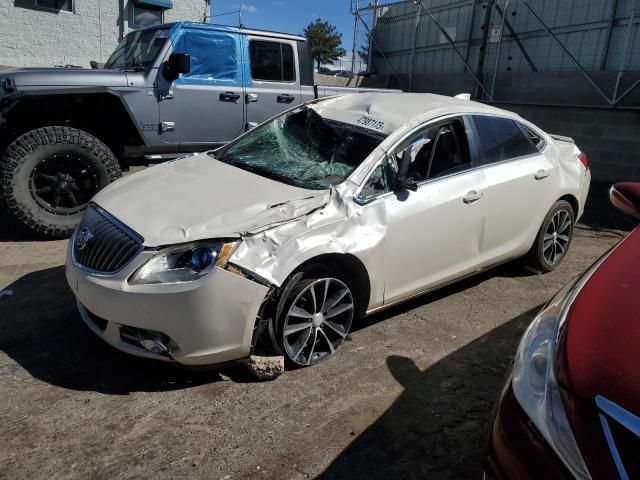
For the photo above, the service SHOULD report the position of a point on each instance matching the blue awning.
(157, 3)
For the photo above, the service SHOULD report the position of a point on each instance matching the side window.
(437, 151)
(271, 61)
(222, 66)
(536, 139)
(500, 139)
(382, 180)
(450, 152)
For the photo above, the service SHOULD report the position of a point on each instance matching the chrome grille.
(103, 244)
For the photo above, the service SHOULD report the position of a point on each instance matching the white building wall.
(43, 38)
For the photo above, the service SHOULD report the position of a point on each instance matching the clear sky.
(290, 16)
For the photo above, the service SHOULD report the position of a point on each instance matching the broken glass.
(303, 149)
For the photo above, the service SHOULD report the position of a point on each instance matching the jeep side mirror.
(178, 63)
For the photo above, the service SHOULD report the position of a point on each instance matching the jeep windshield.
(303, 149)
(138, 49)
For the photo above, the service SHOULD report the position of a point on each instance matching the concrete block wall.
(610, 138)
(32, 37)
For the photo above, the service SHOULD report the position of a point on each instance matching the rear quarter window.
(500, 139)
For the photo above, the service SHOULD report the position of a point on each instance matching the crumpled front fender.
(341, 227)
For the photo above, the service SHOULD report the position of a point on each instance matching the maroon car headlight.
(534, 380)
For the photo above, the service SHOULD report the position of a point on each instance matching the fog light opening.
(154, 342)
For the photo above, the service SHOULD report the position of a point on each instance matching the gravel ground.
(408, 397)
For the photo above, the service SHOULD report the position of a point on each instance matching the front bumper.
(516, 450)
(210, 320)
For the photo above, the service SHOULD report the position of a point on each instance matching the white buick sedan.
(331, 211)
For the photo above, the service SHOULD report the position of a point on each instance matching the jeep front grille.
(103, 244)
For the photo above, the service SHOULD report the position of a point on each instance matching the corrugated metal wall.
(594, 32)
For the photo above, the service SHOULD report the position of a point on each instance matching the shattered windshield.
(138, 49)
(303, 149)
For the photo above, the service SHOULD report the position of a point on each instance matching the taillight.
(584, 160)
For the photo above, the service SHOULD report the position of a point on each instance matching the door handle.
(472, 196)
(542, 174)
(166, 96)
(251, 97)
(229, 97)
(285, 98)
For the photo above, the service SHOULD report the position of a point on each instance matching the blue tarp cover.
(157, 3)
(214, 56)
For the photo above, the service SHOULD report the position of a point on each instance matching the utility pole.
(355, 34)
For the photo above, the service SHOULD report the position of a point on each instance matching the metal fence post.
(413, 50)
(623, 58)
(483, 43)
(495, 70)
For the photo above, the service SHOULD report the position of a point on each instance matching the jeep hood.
(198, 197)
(65, 77)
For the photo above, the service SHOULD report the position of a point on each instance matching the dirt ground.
(408, 397)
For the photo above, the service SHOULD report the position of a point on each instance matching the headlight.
(534, 381)
(183, 263)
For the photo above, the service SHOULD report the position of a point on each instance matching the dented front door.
(434, 234)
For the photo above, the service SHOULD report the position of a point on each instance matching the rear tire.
(554, 237)
(48, 176)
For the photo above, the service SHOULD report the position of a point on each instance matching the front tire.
(50, 174)
(314, 316)
(554, 237)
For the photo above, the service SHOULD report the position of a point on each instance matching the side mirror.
(625, 196)
(407, 184)
(178, 63)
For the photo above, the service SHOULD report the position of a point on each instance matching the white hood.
(198, 198)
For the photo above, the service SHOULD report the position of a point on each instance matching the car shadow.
(600, 215)
(443, 411)
(42, 332)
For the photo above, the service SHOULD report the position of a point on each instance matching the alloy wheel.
(318, 321)
(557, 237)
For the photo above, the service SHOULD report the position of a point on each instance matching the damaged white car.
(326, 213)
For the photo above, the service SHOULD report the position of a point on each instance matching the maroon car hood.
(601, 354)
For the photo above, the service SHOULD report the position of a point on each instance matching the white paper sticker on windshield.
(369, 122)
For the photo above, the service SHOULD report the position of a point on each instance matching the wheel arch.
(95, 112)
(348, 265)
(573, 201)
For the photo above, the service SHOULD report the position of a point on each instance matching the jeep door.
(435, 233)
(273, 84)
(204, 107)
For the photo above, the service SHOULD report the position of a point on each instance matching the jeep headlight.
(534, 380)
(183, 263)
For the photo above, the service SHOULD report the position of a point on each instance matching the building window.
(143, 16)
(66, 5)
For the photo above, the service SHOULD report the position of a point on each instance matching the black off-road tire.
(27, 151)
(536, 257)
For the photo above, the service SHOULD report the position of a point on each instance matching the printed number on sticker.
(370, 123)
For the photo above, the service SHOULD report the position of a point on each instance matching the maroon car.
(571, 405)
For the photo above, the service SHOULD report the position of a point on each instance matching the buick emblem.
(84, 235)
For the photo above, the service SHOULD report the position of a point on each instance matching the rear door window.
(271, 61)
(500, 139)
